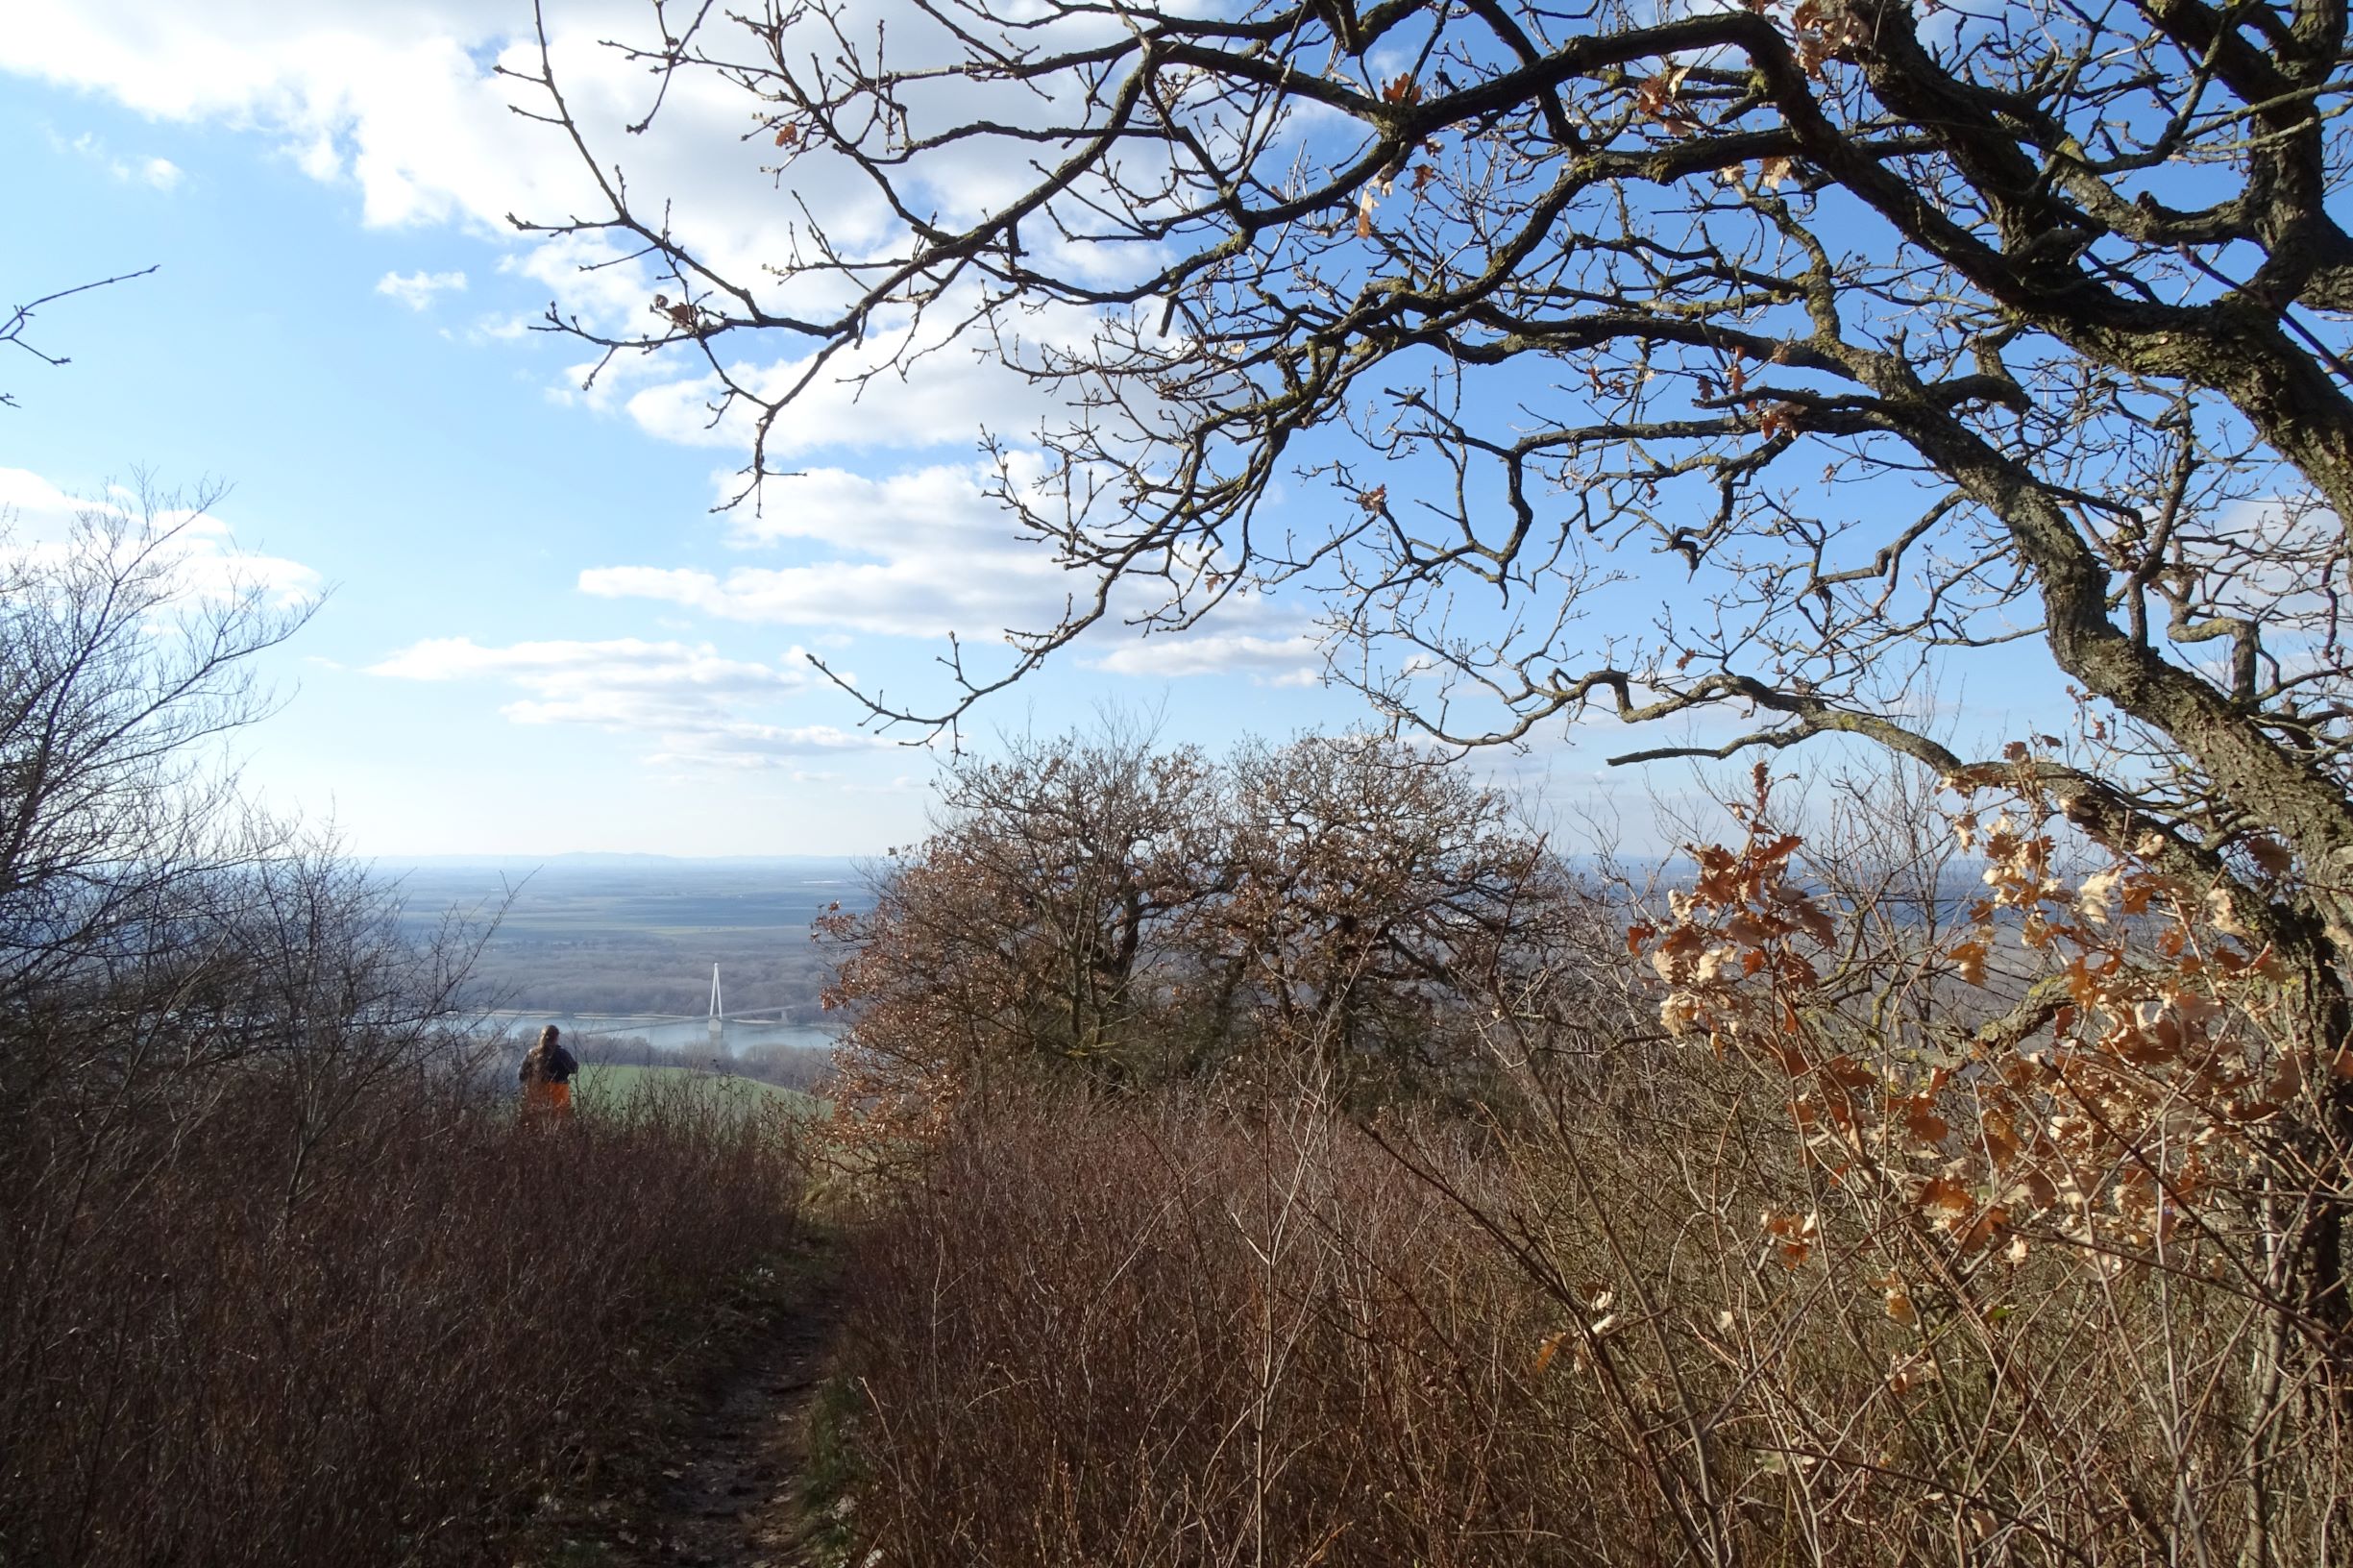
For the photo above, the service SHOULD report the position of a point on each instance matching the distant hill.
(589, 860)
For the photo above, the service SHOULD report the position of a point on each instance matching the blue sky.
(335, 331)
(536, 636)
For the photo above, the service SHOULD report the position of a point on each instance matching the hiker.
(547, 1078)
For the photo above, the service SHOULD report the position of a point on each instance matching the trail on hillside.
(734, 1495)
(726, 1486)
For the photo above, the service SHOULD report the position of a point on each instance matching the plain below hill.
(617, 1083)
(639, 933)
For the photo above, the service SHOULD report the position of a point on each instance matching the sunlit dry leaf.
(1898, 1300)
(1969, 962)
(1979, 1230)
(1910, 1372)
(1921, 1120)
(1943, 1201)
(1794, 1236)
(1658, 97)
(2091, 897)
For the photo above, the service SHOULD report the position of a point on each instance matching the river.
(671, 1032)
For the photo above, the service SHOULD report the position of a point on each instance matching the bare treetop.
(1860, 334)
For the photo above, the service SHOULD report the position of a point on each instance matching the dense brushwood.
(1815, 1204)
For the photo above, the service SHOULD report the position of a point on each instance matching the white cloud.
(396, 98)
(495, 328)
(930, 552)
(746, 745)
(156, 173)
(205, 561)
(417, 289)
(691, 702)
(406, 103)
(946, 393)
(1268, 661)
(590, 276)
(626, 661)
(911, 596)
(941, 557)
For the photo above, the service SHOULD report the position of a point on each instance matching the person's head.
(540, 1058)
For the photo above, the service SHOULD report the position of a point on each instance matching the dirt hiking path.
(723, 1483)
(733, 1496)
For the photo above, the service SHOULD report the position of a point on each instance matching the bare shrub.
(1650, 1331)
(195, 1369)
(1145, 1334)
(1095, 909)
(1903, 1252)
(1875, 1248)
(2082, 1255)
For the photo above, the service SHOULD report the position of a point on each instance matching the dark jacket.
(557, 1067)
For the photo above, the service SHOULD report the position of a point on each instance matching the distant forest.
(640, 936)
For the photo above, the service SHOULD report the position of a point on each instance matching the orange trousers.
(546, 1102)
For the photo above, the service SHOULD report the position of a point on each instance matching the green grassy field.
(613, 1083)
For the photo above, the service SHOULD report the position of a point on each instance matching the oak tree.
(1903, 328)
(1871, 340)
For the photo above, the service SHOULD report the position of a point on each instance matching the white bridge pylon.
(715, 1007)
